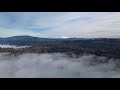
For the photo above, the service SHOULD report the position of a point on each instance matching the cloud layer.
(57, 24)
(56, 66)
(11, 46)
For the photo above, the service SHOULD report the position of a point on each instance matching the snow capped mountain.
(64, 37)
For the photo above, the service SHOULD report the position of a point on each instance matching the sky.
(60, 24)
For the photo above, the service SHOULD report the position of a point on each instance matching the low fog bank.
(11, 46)
(57, 65)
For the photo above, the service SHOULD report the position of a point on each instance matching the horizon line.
(61, 37)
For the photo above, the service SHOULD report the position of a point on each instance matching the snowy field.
(56, 66)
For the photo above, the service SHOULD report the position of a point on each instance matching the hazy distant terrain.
(26, 56)
(108, 47)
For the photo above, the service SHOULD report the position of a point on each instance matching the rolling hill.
(26, 40)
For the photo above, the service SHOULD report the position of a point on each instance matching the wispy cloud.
(57, 24)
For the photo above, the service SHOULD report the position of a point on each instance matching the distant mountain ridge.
(21, 37)
(23, 40)
(26, 40)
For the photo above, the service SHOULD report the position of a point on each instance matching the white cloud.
(71, 24)
(100, 22)
(56, 65)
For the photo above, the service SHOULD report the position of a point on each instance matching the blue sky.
(58, 24)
